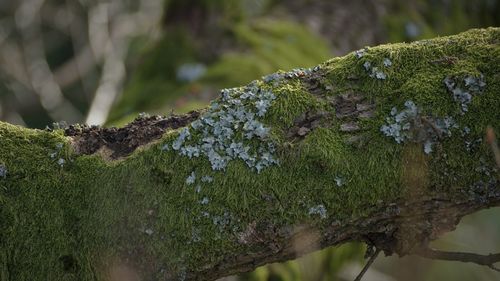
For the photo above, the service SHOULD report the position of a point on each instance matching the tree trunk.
(384, 146)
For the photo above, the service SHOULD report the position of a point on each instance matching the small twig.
(445, 60)
(487, 260)
(367, 265)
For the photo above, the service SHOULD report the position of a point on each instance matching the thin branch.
(367, 265)
(486, 260)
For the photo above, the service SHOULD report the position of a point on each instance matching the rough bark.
(382, 146)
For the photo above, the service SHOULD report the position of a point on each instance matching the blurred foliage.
(155, 76)
(322, 265)
(423, 19)
(232, 40)
(259, 48)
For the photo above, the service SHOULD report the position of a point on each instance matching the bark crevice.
(123, 141)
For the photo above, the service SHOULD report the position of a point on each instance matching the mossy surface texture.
(74, 219)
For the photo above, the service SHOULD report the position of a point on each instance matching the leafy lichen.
(410, 125)
(228, 128)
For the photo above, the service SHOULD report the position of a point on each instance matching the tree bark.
(384, 146)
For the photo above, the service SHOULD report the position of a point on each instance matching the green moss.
(140, 211)
(293, 100)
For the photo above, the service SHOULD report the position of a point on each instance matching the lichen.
(374, 71)
(318, 210)
(3, 171)
(207, 179)
(410, 125)
(204, 201)
(473, 85)
(191, 178)
(360, 53)
(339, 181)
(228, 128)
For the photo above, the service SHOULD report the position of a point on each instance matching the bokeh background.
(103, 62)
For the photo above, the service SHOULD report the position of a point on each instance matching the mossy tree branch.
(382, 146)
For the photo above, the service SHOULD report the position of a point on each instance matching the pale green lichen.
(472, 84)
(410, 125)
(229, 129)
(3, 171)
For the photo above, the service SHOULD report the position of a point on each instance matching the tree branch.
(370, 261)
(487, 260)
(290, 164)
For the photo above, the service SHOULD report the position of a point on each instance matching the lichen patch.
(411, 125)
(231, 129)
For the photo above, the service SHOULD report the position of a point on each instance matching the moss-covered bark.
(383, 146)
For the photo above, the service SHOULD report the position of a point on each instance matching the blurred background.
(103, 62)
